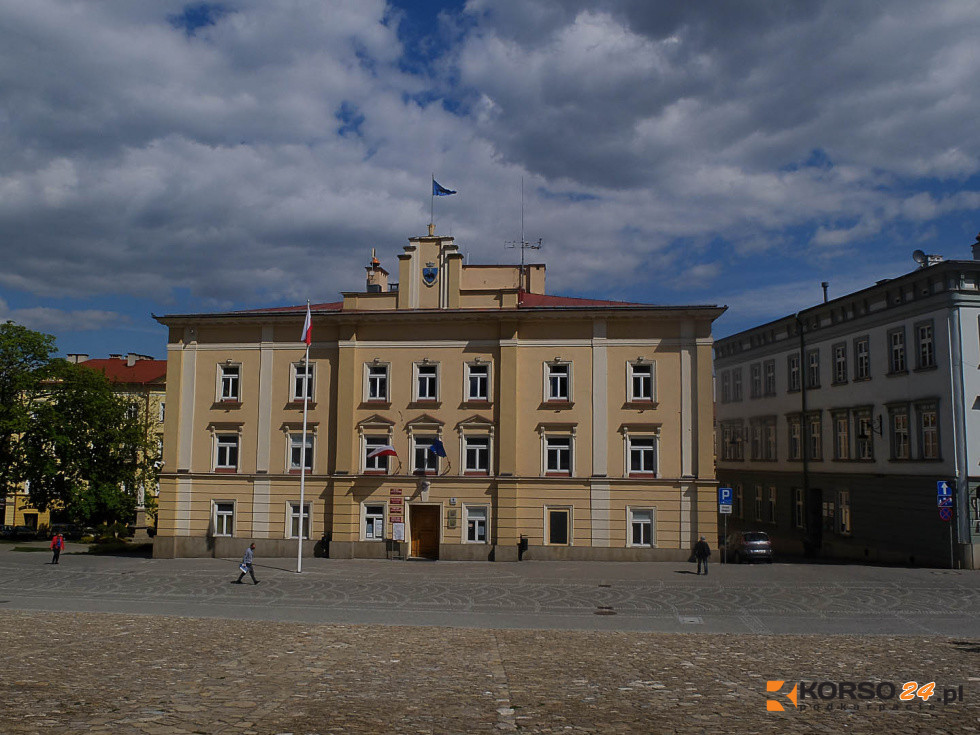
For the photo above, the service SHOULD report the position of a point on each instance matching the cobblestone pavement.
(103, 673)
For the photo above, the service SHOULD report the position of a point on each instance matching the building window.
(302, 381)
(840, 363)
(641, 527)
(813, 369)
(294, 520)
(896, 351)
(161, 416)
(229, 382)
(737, 384)
(426, 382)
(929, 432)
(771, 505)
(226, 454)
(642, 455)
(133, 410)
(926, 346)
(793, 371)
(641, 381)
(558, 455)
(842, 436)
(795, 437)
(558, 530)
(865, 435)
(374, 522)
(476, 453)
(426, 462)
(769, 378)
(899, 423)
(815, 436)
(769, 438)
(377, 383)
(224, 519)
(296, 457)
(799, 507)
(862, 358)
(557, 381)
(829, 515)
(739, 503)
(732, 442)
(755, 386)
(477, 382)
(726, 387)
(377, 464)
(755, 441)
(844, 512)
(476, 524)
(758, 502)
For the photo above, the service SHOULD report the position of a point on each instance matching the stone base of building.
(175, 547)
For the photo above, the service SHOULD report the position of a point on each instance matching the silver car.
(749, 546)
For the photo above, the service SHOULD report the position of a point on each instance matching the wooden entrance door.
(425, 531)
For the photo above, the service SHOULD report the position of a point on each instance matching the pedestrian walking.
(701, 552)
(246, 565)
(57, 544)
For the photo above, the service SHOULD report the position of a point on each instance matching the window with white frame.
(795, 427)
(771, 505)
(799, 507)
(726, 386)
(769, 439)
(758, 502)
(224, 519)
(425, 461)
(302, 381)
(641, 527)
(898, 419)
(793, 371)
(755, 378)
(642, 451)
(226, 452)
(558, 455)
(558, 526)
(377, 464)
(373, 524)
(926, 345)
(896, 351)
(426, 382)
(133, 410)
(377, 383)
(476, 454)
(815, 436)
(476, 524)
(755, 440)
(844, 512)
(737, 384)
(769, 378)
(294, 520)
(829, 514)
(558, 381)
(813, 369)
(865, 434)
(842, 436)
(840, 363)
(477, 382)
(296, 456)
(229, 382)
(641, 381)
(862, 358)
(928, 431)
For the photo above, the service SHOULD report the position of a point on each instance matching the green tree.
(24, 359)
(86, 450)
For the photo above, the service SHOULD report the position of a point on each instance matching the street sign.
(945, 514)
(725, 509)
(944, 501)
(724, 496)
(943, 489)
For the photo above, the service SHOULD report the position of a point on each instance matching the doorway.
(424, 520)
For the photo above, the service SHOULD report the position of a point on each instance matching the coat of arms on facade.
(429, 274)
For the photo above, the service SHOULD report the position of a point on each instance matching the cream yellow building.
(583, 427)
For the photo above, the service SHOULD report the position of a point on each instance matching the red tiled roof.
(141, 372)
(530, 300)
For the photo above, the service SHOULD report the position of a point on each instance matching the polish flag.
(386, 451)
(308, 327)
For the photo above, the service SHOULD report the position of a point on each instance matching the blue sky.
(169, 157)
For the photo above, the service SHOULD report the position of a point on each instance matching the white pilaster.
(264, 428)
(601, 520)
(188, 389)
(600, 401)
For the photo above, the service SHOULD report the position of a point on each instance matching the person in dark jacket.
(57, 544)
(701, 552)
(247, 565)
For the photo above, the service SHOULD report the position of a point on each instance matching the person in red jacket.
(57, 544)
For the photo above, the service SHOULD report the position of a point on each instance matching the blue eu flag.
(437, 448)
(440, 191)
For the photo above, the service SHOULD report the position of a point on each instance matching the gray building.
(835, 424)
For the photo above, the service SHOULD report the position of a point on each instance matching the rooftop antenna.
(522, 243)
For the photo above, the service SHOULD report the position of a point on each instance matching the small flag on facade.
(386, 451)
(437, 448)
(440, 191)
(308, 326)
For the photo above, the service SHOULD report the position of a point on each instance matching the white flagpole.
(302, 454)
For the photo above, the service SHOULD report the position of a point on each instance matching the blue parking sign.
(724, 496)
